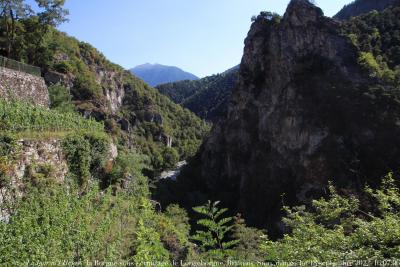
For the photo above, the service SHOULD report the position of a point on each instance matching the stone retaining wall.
(15, 85)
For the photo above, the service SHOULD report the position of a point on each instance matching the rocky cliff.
(27, 161)
(304, 113)
(110, 82)
(28, 158)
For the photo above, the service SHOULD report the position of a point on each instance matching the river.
(173, 174)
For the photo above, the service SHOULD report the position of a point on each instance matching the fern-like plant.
(217, 228)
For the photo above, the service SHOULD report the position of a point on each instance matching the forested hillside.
(377, 38)
(359, 7)
(208, 97)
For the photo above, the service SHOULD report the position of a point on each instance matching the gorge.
(304, 113)
(289, 159)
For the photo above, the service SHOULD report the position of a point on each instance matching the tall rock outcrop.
(303, 113)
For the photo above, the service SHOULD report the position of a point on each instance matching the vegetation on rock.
(87, 155)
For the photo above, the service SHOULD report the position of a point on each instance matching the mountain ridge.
(155, 74)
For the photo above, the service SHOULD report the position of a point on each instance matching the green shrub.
(128, 169)
(249, 241)
(8, 153)
(60, 99)
(368, 61)
(337, 229)
(8, 145)
(148, 246)
(170, 157)
(54, 224)
(39, 175)
(86, 155)
(213, 239)
(86, 87)
(17, 116)
(64, 67)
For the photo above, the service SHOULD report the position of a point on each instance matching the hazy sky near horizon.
(203, 37)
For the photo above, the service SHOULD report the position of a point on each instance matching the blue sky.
(200, 36)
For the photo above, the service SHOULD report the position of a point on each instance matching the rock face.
(31, 155)
(16, 85)
(27, 157)
(53, 77)
(47, 152)
(110, 81)
(303, 113)
(114, 90)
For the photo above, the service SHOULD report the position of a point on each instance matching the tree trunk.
(5, 13)
(12, 41)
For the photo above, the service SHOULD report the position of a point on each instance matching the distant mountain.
(207, 97)
(359, 7)
(155, 74)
